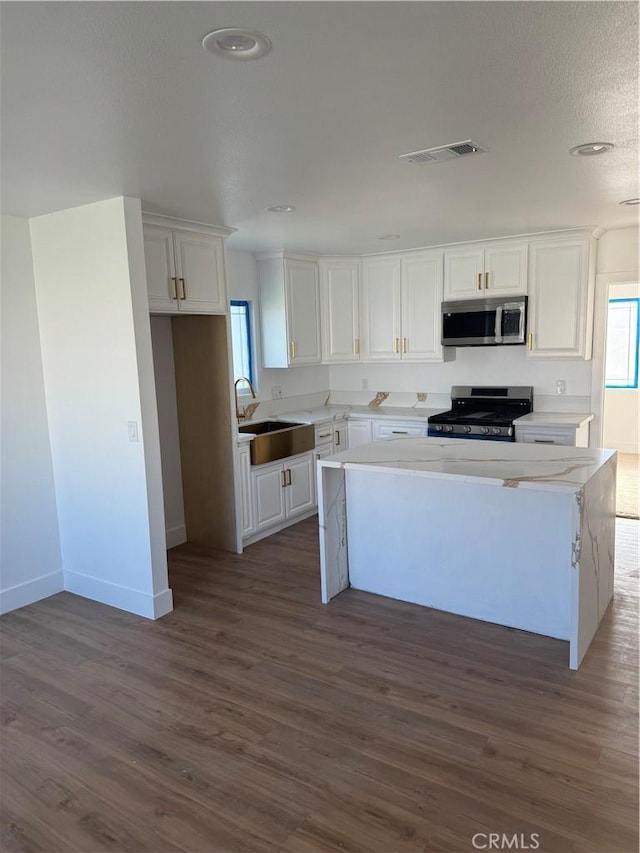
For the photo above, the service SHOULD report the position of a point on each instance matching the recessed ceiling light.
(281, 208)
(630, 201)
(591, 148)
(236, 43)
(389, 237)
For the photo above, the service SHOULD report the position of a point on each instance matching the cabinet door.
(381, 309)
(200, 271)
(246, 501)
(505, 270)
(303, 311)
(161, 269)
(300, 494)
(359, 433)
(463, 273)
(339, 297)
(340, 438)
(421, 307)
(560, 299)
(268, 495)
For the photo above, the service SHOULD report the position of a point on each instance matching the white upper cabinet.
(561, 288)
(401, 301)
(463, 269)
(381, 309)
(340, 309)
(490, 269)
(421, 299)
(159, 258)
(184, 268)
(200, 268)
(289, 310)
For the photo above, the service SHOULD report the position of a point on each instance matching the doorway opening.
(621, 398)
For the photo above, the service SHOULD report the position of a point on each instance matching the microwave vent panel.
(443, 152)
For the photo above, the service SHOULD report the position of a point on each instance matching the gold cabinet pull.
(404, 345)
(356, 346)
(337, 438)
(486, 281)
(174, 282)
(184, 288)
(288, 475)
(479, 281)
(283, 479)
(395, 344)
(530, 341)
(292, 349)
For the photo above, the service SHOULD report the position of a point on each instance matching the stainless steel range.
(482, 412)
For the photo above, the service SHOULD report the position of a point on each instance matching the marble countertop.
(561, 419)
(526, 466)
(404, 413)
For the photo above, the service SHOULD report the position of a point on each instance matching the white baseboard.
(131, 600)
(256, 537)
(31, 591)
(624, 448)
(176, 536)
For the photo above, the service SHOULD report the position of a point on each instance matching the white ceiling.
(104, 99)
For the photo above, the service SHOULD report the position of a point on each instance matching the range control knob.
(438, 427)
(484, 430)
(496, 430)
(448, 428)
(466, 429)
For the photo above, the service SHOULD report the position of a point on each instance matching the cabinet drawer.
(324, 434)
(387, 429)
(564, 437)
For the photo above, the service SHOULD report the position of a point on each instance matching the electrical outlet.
(276, 392)
(365, 384)
(132, 429)
(561, 386)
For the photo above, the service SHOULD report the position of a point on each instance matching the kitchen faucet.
(239, 416)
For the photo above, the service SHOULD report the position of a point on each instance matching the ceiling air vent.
(443, 152)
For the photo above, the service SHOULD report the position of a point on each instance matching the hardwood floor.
(252, 718)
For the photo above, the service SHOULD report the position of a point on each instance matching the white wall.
(475, 366)
(165, 381)
(31, 564)
(621, 427)
(98, 376)
(618, 251)
(242, 283)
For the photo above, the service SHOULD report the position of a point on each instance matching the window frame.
(246, 304)
(634, 386)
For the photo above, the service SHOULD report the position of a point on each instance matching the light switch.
(132, 427)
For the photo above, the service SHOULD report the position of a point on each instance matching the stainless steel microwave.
(484, 322)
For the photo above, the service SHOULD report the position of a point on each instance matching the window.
(241, 342)
(621, 368)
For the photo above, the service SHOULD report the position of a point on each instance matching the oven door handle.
(498, 325)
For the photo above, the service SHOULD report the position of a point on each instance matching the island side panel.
(594, 558)
(334, 557)
(496, 553)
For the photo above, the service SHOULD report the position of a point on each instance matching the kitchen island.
(517, 534)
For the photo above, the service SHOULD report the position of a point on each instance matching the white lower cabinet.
(567, 436)
(246, 504)
(389, 429)
(299, 493)
(282, 490)
(340, 437)
(359, 432)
